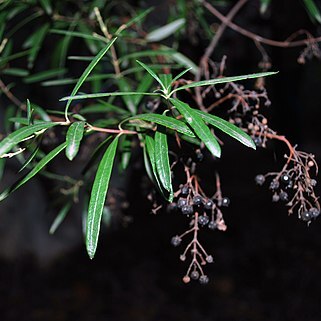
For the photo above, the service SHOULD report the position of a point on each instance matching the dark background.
(267, 265)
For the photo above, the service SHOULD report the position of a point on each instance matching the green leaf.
(162, 163)
(198, 125)
(74, 136)
(166, 80)
(264, 5)
(77, 34)
(46, 4)
(60, 218)
(165, 31)
(103, 107)
(100, 95)
(29, 113)
(38, 38)
(22, 134)
(37, 168)
(29, 159)
(313, 10)
(181, 74)
(44, 75)
(223, 80)
(124, 86)
(228, 128)
(98, 198)
(87, 71)
(134, 20)
(166, 121)
(151, 72)
(18, 72)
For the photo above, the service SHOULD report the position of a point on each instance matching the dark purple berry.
(314, 212)
(285, 178)
(313, 182)
(209, 259)
(274, 185)
(195, 275)
(305, 216)
(181, 202)
(212, 225)
(185, 190)
(187, 210)
(257, 141)
(290, 184)
(171, 207)
(226, 201)
(199, 155)
(204, 279)
(176, 240)
(198, 200)
(208, 204)
(150, 105)
(203, 220)
(275, 198)
(283, 196)
(259, 179)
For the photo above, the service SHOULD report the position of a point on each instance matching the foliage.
(138, 99)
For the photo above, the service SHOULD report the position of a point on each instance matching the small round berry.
(259, 179)
(187, 210)
(284, 196)
(209, 259)
(186, 279)
(274, 185)
(314, 212)
(212, 225)
(182, 257)
(257, 141)
(310, 163)
(208, 204)
(171, 207)
(275, 198)
(185, 190)
(285, 178)
(176, 240)
(195, 275)
(149, 105)
(313, 182)
(290, 184)
(305, 216)
(226, 201)
(198, 200)
(204, 279)
(181, 202)
(203, 220)
(199, 155)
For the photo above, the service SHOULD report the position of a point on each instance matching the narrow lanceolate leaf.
(165, 121)
(98, 197)
(227, 128)
(21, 134)
(313, 10)
(162, 163)
(223, 80)
(198, 125)
(87, 71)
(165, 31)
(152, 73)
(74, 136)
(264, 5)
(60, 218)
(36, 169)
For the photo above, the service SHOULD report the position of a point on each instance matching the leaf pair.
(196, 119)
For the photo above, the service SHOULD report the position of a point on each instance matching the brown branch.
(11, 96)
(255, 37)
(209, 50)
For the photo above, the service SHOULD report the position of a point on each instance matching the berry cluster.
(294, 185)
(202, 212)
